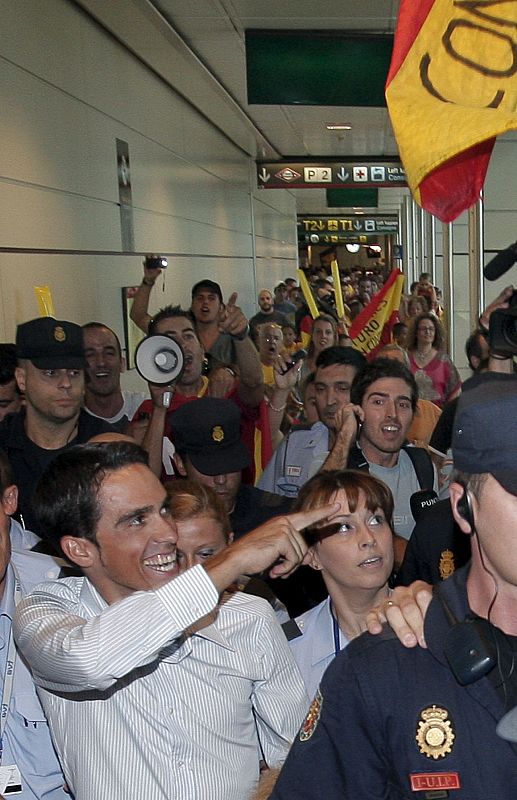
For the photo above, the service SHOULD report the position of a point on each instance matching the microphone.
(501, 263)
(422, 500)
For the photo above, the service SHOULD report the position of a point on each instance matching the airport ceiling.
(199, 49)
(214, 30)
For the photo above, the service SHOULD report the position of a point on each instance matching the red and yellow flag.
(451, 89)
(371, 329)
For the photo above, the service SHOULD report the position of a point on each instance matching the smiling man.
(153, 686)
(104, 397)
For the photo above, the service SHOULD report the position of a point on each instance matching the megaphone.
(159, 359)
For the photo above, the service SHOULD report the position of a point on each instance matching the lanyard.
(9, 667)
(335, 630)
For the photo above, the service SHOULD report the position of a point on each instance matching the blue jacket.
(375, 734)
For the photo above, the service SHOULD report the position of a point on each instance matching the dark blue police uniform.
(393, 723)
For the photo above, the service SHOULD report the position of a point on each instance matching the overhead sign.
(345, 228)
(323, 175)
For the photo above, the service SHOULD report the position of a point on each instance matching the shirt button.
(171, 711)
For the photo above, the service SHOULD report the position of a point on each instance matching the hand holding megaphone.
(159, 360)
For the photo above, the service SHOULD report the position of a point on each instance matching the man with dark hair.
(207, 309)
(50, 372)
(153, 419)
(371, 434)
(10, 396)
(104, 397)
(282, 302)
(432, 721)
(305, 448)
(156, 686)
(28, 757)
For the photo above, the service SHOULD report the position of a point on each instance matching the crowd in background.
(269, 420)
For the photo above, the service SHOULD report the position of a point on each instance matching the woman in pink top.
(436, 376)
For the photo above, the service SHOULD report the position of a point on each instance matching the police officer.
(388, 721)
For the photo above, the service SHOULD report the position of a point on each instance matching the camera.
(155, 262)
(502, 332)
(294, 359)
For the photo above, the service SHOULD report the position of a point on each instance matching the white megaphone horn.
(159, 359)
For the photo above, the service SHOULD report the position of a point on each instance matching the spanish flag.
(371, 329)
(451, 89)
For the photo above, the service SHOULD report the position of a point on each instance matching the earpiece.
(465, 508)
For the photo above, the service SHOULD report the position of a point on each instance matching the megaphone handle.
(166, 399)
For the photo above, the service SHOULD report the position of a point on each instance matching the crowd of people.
(179, 566)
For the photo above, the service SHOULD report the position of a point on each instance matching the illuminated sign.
(304, 175)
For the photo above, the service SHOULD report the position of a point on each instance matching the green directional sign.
(353, 197)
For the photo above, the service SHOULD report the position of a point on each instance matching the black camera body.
(155, 262)
(502, 332)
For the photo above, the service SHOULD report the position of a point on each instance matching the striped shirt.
(138, 707)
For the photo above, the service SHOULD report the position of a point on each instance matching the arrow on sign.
(343, 174)
(264, 175)
(358, 226)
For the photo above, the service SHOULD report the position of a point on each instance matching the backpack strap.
(422, 465)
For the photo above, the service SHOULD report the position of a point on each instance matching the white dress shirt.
(140, 709)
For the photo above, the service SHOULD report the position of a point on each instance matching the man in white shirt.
(145, 696)
(104, 397)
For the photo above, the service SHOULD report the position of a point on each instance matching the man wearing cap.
(207, 308)
(431, 720)
(209, 450)
(50, 373)
(282, 302)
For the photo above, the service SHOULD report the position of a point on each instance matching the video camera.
(502, 332)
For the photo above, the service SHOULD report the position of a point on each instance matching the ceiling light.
(352, 247)
(339, 126)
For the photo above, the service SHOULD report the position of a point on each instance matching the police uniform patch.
(435, 736)
(312, 718)
(59, 334)
(217, 433)
(446, 565)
